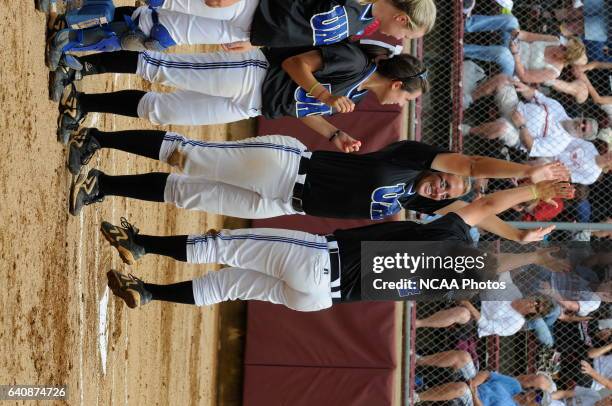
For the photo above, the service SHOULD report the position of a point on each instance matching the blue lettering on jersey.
(329, 27)
(306, 105)
(385, 200)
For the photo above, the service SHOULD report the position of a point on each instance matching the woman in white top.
(534, 58)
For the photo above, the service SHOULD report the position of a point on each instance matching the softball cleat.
(122, 238)
(129, 288)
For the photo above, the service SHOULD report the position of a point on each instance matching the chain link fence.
(525, 82)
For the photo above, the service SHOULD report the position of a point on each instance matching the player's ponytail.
(407, 69)
(394, 65)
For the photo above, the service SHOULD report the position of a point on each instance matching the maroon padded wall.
(341, 356)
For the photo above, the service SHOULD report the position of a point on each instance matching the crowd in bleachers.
(533, 96)
(537, 86)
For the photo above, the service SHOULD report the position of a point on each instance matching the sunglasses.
(583, 125)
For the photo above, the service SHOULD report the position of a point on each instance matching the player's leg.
(74, 106)
(93, 64)
(245, 284)
(236, 163)
(188, 192)
(184, 107)
(233, 75)
(216, 287)
(295, 257)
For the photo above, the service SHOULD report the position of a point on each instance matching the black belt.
(334, 268)
(298, 188)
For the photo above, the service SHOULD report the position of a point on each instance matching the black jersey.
(282, 23)
(449, 227)
(345, 68)
(369, 186)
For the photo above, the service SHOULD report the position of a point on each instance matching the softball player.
(275, 175)
(271, 23)
(223, 87)
(305, 272)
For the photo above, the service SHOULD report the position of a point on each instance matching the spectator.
(540, 126)
(488, 389)
(584, 161)
(496, 317)
(534, 58)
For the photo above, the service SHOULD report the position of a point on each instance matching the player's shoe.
(85, 190)
(81, 147)
(71, 116)
(60, 78)
(122, 238)
(129, 288)
(55, 47)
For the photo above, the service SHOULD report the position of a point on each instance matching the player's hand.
(220, 3)
(346, 143)
(238, 46)
(586, 368)
(549, 171)
(537, 234)
(340, 104)
(549, 189)
(517, 118)
(554, 264)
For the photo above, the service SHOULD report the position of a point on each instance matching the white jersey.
(579, 158)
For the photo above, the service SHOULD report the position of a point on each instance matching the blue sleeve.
(511, 384)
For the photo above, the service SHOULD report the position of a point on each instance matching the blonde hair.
(422, 13)
(574, 50)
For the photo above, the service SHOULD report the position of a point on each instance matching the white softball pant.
(215, 88)
(251, 178)
(278, 266)
(195, 23)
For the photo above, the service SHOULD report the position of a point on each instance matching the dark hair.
(403, 67)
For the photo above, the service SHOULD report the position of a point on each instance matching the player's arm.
(301, 69)
(500, 201)
(485, 167)
(497, 226)
(339, 138)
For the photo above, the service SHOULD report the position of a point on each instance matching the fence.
(525, 96)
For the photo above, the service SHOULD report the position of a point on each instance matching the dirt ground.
(53, 265)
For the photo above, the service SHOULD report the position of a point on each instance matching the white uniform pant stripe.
(233, 75)
(250, 178)
(298, 258)
(214, 88)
